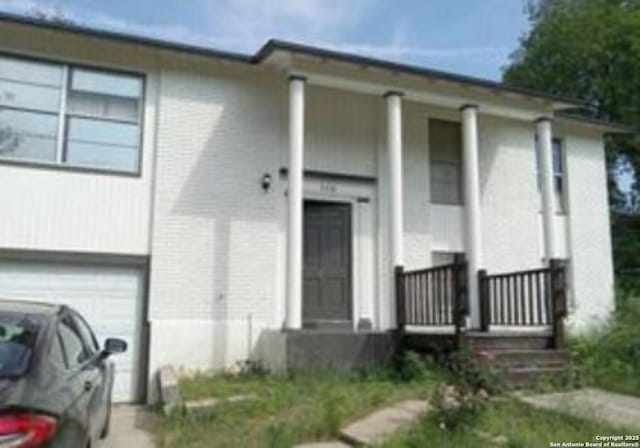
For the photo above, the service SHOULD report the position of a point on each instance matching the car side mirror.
(113, 346)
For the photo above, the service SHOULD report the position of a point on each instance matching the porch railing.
(434, 296)
(535, 297)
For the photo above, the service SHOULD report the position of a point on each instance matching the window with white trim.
(445, 160)
(558, 172)
(69, 115)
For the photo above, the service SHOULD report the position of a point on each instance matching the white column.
(295, 198)
(396, 210)
(473, 224)
(545, 140)
(394, 148)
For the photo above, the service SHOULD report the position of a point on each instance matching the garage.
(110, 297)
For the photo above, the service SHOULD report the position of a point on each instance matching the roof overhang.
(417, 83)
(284, 54)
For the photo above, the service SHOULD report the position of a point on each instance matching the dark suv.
(55, 381)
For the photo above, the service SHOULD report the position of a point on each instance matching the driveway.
(131, 426)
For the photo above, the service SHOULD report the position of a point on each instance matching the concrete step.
(528, 358)
(515, 341)
(529, 376)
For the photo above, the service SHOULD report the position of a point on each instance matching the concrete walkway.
(376, 427)
(618, 410)
(131, 426)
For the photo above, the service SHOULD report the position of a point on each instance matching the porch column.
(295, 175)
(545, 140)
(394, 150)
(473, 225)
(394, 146)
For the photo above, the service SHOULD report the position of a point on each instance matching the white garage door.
(110, 298)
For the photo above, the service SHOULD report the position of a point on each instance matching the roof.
(29, 307)
(602, 124)
(274, 45)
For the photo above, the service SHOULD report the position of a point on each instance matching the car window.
(18, 334)
(72, 343)
(86, 333)
(56, 354)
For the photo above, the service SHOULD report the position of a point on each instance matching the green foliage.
(590, 49)
(456, 407)
(507, 423)
(469, 373)
(283, 410)
(610, 357)
(277, 435)
(413, 366)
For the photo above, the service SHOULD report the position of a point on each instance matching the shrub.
(457, 406)
(475, 373)
(415, 367)
(610, 357)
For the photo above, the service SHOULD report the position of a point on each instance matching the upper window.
(558, 172)
(445, 162)
(68, 115)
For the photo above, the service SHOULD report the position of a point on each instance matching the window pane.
(73, 346)
(30, 71)
(106, 83)
(28, 96)
(102, 106)
(56, 355)
(445, 183)
(444, 140)
(17, 340)
(86, 333)
(557, 156)
(538, 155)
(102, 156)
(558, 183)
(96, 131)
(445, 193)
(28, 135)
(33, 123)
(442, 258)
(30, 148)
(445, 172)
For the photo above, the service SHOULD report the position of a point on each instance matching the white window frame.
(560, 196)
(457, 163)
(63, 118)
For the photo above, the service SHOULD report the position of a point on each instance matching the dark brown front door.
(327, 264)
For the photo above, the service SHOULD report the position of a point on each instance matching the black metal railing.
(434, 296)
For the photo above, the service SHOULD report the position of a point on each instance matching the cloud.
(244, 25)
(255, 21)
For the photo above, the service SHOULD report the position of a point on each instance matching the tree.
(590, 49)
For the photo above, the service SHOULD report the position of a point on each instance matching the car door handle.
(88, 385)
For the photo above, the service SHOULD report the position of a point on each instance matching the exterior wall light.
(265, 182)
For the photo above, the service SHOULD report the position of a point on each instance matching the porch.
(522, 325)
(367, 220)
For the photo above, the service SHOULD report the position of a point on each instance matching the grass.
(610, 358)
(286, 410)
(521, 425)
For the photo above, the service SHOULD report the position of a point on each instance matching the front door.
(327, 265)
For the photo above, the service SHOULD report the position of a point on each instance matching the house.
(169, 193)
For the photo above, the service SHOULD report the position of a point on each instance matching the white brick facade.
(216, 240)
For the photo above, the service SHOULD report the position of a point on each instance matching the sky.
(471, 37)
